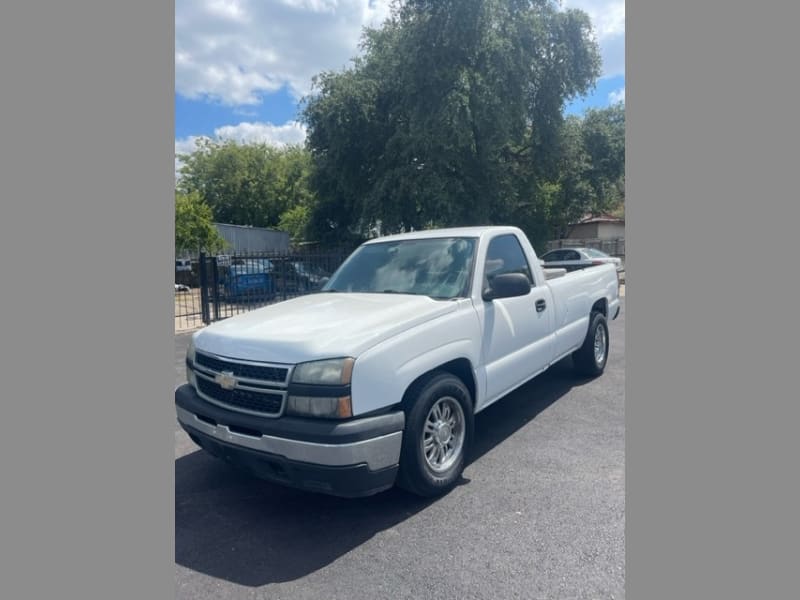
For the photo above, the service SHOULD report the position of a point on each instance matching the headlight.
(320, 406)
(190, 354)
(336, 371)
(321, 389)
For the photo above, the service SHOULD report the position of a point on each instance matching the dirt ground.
(185, 304)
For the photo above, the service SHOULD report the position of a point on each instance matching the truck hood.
(318, 326)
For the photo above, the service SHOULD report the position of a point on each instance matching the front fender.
(383, 373)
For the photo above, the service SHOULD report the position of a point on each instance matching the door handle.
(540, 305)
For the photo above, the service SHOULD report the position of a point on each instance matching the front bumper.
(344, 458)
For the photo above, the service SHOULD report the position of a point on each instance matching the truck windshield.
(435, 267)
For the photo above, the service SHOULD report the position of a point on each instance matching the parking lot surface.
(540, 512)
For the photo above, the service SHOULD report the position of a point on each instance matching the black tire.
(585, 360)
(416, 473)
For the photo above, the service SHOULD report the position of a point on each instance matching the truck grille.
(268, 403)
(264, 373)
(260, 388)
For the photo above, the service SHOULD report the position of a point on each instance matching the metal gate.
(229, 285)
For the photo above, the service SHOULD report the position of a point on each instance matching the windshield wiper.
(419, 294)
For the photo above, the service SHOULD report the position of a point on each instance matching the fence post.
(215, 284)
(282, 262)
(205, 315)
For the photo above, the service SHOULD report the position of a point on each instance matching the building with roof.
(597, 227)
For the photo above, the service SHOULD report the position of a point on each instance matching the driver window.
(505, 255)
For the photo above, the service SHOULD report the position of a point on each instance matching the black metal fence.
(218, 287)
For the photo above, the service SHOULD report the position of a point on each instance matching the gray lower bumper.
(377, 452)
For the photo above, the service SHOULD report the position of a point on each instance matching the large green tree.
(590, 175)
(603, 134)
(247, 184)
(194, 227)
(452, 116)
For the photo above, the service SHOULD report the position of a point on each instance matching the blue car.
(248, 280)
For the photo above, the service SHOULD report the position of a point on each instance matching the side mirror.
(322, 283)
(507, 285)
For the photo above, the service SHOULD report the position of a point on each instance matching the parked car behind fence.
(247, 279)
(573, 259)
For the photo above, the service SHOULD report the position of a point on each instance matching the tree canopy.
(247, 184)
(591, 173)
(194, 226)
(452, 116)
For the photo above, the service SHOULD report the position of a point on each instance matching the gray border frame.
(87, 179)
(87, 174)
(711, 442)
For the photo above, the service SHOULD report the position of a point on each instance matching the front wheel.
(591, 358)
(439, 428)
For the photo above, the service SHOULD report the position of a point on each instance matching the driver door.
(517, 332)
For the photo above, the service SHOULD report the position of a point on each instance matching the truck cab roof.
(475, 232)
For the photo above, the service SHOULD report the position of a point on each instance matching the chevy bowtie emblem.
(226, 380)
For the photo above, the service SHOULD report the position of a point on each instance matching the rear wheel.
(591, 358)
(438, 433)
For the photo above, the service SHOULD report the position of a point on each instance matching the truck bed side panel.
(574, 294)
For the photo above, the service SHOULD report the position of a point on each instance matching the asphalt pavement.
(540, 512)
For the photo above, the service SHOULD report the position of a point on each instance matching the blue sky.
(201, 117)
(241, 66)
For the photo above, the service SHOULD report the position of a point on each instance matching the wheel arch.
(600, 306)
(458, 367)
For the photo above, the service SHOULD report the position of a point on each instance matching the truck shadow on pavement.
(252, 533)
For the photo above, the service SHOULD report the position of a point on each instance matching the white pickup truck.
(375, 380)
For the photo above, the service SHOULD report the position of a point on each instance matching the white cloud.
(291, 132)
(230, 10)
(232, 51)
(186, 145)
(617, 96)
(608, 19)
